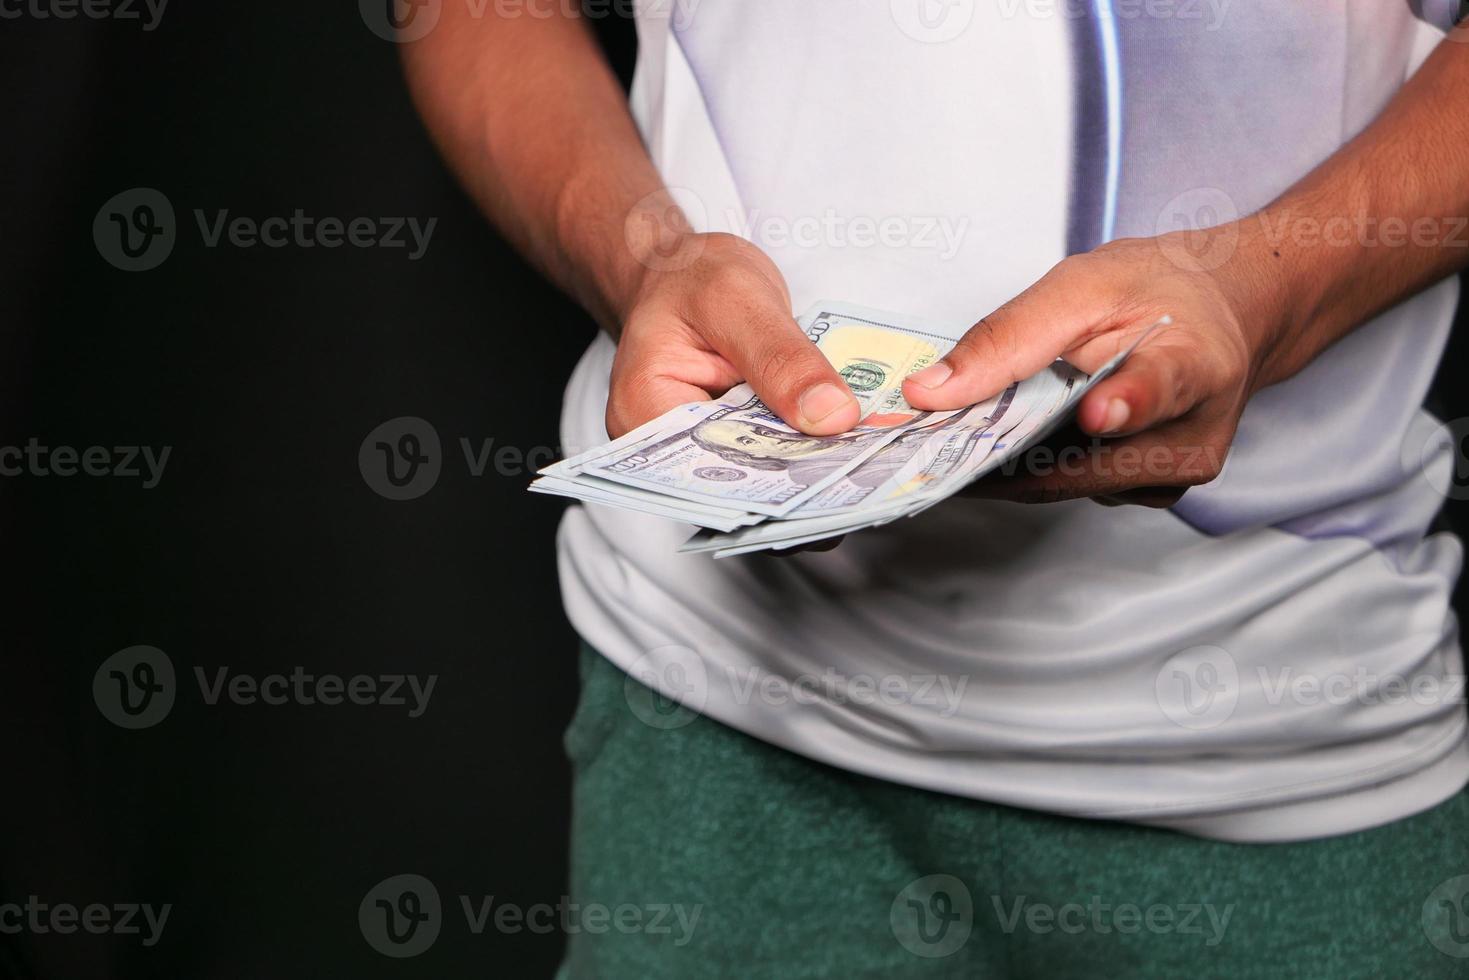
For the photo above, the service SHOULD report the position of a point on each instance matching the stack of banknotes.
(732, 468)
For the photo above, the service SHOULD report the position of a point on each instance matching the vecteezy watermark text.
(832, 229)
(403, 915)
(1101, 458)
(136, 230)
(122, 462)
(657, 918)
(934, 916)
(1096, 916)
(305, 688)
(40, 918)
(148, 13)
(136, 688)
(1212, 12)
(669, 686)
(406, 21)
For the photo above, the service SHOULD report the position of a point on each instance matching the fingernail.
(931, 376)
(1117, 413)
(824, 400)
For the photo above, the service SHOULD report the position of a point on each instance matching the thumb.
(787, 371)
(1016, 341)
(1155, 384)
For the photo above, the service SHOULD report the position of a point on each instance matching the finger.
(1158, 383)
(651, 377)
(786, 370)
(631, 404)
(1153, 469)
(1016, 341)
(825, 544)
(1034, 490)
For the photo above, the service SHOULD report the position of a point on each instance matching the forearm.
(537, 128)
(1382, 219)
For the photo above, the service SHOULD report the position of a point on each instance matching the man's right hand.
(710, 311)
(537, 125)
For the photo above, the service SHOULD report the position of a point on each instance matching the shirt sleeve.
(1441, 13)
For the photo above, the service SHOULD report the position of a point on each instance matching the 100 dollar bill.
(736, 452)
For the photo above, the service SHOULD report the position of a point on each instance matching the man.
(970, 725)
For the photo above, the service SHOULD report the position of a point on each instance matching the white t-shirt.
(1274, 658)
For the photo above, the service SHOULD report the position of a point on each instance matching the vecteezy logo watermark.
(406, 21)
(403, 458)
(136, 230)
(134, 688)
(1200, 230)
(932, 21)
(834, 230)
(667, 687)
(146, 12)
(306, 689)
(660, 229)
(304, 231)
(1197, 230)
(1363, 230)
(1361, 687)
(1198, 688)
(1101, 458)
(1446, 917)
(64, 918)
(933, 916)
(675, 920)
(1181, 10)
(1097, 916)
(939, 693)
(35, 459)
(401, 916)
(1437, 452)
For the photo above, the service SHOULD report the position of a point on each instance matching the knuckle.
(1116, 246)
(1206, 468)
(723, 280)
(1164, 499)
(1181, 388)
(1179, 385)
(1083, 267)
(1208, 474)
(1153, 497)
(780, 370)
(984, 346)
(1078, 263)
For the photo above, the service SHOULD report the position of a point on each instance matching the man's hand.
(537, 126)
(712, 311)
(1172, 408)
(1273, 304)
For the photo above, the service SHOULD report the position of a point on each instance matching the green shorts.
(701, 852)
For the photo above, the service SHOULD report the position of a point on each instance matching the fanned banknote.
(734, 451)
(733, 468)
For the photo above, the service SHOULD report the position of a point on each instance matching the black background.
(263, 548)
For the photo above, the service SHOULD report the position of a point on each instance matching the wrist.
(612, 249)
(1258, 281)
